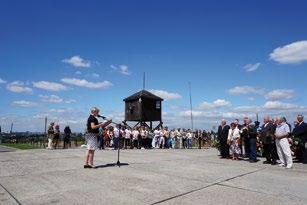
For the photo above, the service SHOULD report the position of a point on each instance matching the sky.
(60, 58)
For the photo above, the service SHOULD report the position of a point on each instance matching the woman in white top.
(135, 136)
(155, 140)
(127, 137)
(233, 138)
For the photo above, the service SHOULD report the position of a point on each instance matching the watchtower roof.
(143, 94)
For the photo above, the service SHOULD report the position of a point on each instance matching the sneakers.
(289, 166)
(281, 165)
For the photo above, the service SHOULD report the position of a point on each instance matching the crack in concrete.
(15, 199)
(293, 197)
(210, 185)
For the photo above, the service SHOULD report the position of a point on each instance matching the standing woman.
(233, 137)
(56, 136)
(91, 136)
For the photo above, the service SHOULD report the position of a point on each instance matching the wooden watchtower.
(143, 107)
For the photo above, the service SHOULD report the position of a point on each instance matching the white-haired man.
(283, 147)
(222, 135)
(300, 134)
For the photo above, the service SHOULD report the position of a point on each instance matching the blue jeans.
(253, 149)
(169, 142)
(101, 142)
(189, 143)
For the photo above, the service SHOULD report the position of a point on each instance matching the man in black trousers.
(222, 135)
(300, 134)
(269, 148)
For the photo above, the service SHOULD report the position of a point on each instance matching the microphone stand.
(118, 142)
(118, 145)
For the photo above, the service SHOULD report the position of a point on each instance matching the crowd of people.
(276, 139)
(142, 137)
(54, 134)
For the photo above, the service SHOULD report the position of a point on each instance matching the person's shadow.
(111, 165)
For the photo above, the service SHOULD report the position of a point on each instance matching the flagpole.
(191, 108)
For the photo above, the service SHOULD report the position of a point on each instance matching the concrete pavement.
(149, 177)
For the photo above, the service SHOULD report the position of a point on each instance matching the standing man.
(222, 135)
(56, 136)
(300, 135)
(67, 134)
(267, 133)
(117, 136)
(50, 135)
(283, 147)
(249, 135)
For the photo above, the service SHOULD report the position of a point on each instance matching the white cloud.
(51, 98)
(280, 94)
(248, 109)
(78, 73)
(93, 75)
(290, 54)
(123, 69)
(243, 90)
(251, 67)
(23, 103)
(51, 86)
(87, 84)
(200, 115)
(2, 81)
(19, 87)
(77, 61)
(113, 67)
(165, 95)
(219, 103)
(70, 101)
(187, 113)
(58, 110)
(277, 105)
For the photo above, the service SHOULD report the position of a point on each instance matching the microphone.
(103, 117)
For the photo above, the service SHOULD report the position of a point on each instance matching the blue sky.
(59, 58)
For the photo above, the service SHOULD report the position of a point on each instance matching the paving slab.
(146, 177)
(6, 149)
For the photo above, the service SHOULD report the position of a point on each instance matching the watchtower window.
(158, 105)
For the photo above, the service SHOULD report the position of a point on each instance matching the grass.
(21, 146)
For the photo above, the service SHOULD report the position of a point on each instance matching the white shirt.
(135, 134)
(157, 133)
(282, 130)
(233, 134)
(144, 133)
(116, 132)
(127, 133)
(172, 134)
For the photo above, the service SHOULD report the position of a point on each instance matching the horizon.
(58, 59)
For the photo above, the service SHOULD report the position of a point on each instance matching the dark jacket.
(300, 131)
(222, 133)
(248, 132)
(266, 133)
